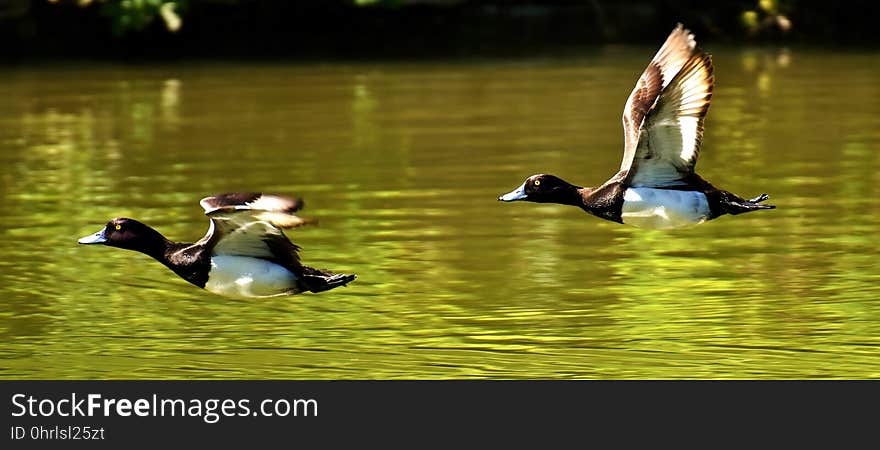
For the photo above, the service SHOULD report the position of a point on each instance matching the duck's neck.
(151, 243)
(603, 201)
(163, 250)
(573, 195)
(583, 193)
(189, 261)
(185, 260)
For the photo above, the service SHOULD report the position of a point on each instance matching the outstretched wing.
(251, 224)
(276, 209)
(663, 118)
(672, 133)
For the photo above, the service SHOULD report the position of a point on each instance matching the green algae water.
(402, 165)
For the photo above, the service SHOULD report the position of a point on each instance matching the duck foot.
(759, 198)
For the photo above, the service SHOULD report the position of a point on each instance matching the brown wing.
(253, 201)
(668, 61)
(672, 132)
(276, 209)
(251, 225)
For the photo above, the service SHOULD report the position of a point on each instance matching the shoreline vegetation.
(363, 29)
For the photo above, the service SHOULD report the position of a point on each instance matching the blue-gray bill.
(514, 195)
(97, 238)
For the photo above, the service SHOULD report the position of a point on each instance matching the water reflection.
(402, 165)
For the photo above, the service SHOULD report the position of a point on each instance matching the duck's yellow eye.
(537, 182)
(118, 227)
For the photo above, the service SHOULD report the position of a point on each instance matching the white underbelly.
(242, 276)
(662, 209)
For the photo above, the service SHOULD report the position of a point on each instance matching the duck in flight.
(656, 186)
(244, 254)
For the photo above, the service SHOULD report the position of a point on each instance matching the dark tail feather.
(319, 281)
(759, 198)
(741, 206)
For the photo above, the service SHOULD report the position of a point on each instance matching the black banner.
(90, 414)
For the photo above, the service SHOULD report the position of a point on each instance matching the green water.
(402, 165)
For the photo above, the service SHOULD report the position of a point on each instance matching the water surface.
(402, 164)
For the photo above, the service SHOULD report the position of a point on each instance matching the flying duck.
(656, 186)
(244, 254)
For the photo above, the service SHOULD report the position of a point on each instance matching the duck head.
(128, 234)
(543, 188)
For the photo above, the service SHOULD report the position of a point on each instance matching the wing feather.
(660, 71)
(251, 224)
(252, 200)
(672, 132)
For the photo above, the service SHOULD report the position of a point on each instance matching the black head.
(126, 233)
(543, 188)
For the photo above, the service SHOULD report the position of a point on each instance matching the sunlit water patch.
(402, 165)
